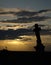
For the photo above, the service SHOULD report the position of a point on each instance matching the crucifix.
(39, 47)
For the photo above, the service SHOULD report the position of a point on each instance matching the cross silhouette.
(39, 47)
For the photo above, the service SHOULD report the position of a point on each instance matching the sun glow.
(14, 42)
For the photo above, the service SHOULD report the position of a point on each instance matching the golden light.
(14, 42)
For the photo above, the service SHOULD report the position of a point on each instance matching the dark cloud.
(28, 13)
(11, 25)
(47, 10)
(7, 13)
(35, 19)
(30, 19)
(25, 13)
(12, 34)
(27, 16)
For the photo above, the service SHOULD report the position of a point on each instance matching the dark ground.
(25, 58)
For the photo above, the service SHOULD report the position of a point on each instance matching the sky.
(18, 11)
(28, 4)
(41, 9)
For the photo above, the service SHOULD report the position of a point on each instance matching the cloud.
(24, 38)
(31, 13)
(9, 11)
(1, 9)
(29, 20)
(33, 19)
(26, 13)
(13, 34)
(25, 16)
(47, 10)
(20, 12)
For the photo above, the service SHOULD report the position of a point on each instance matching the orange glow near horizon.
(23, 45)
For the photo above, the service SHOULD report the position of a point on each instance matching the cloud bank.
(25, 16)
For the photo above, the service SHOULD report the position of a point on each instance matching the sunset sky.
(41, 10)
(21, 15)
